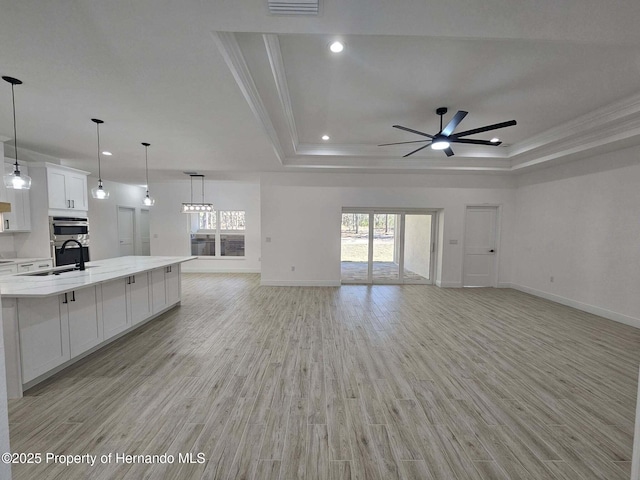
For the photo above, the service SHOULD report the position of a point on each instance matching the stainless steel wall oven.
(62, 229)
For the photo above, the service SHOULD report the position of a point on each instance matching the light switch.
(267, 240)
(453, 242)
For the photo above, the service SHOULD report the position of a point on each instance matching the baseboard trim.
(450, 284)
(211, 270)
(300, 283)
(585, 307)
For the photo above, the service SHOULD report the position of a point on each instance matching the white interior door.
(126, 231)
(480, 247)
(145, 235)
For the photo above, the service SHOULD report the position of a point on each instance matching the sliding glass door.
(387, 246)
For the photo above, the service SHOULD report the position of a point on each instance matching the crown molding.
(393, 163)
(274, 53)
(617, 123)
(596, 121)
(228, 46)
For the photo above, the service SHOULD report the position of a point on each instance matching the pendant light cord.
(15, 133)
(99, 171)
(203, 189)
(191, 176)
(146, 167)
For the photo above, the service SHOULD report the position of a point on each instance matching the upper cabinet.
(67, 188)
(19, 218)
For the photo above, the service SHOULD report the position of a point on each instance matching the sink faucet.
(80, 264)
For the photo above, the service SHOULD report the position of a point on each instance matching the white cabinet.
(115, 315)
(44, 335)
(158, 289)
(165, 286)
(34, 265)
(172, 277)
(8, 268)
(139, 297)
(19, 218)
(85, 331)
(54, 329)
(67, 188)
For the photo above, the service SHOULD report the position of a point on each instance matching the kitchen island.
(53, 318)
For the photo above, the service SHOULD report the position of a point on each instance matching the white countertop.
(100, 271)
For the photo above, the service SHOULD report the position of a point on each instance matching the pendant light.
(193, 207)
(15, 180)
(148, 201)
(99, 192)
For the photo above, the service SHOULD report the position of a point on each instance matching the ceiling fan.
(445, 137)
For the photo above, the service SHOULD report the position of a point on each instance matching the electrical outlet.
(293, 268)
(551, 279)
(453, 242)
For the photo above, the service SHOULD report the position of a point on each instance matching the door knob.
(491, 251)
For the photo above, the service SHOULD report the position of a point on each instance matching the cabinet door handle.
(6, 224)
(44, 265)
(27, 265)
(73, 296)
(134, 278)
(74, 203)
(65, 299)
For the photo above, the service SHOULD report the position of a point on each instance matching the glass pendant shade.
(148, 201)
(15, 180)
(99, 193)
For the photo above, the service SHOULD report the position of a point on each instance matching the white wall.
(417, 234)
(580, 223)
(301, 213)
(103, 217)
(170, 227)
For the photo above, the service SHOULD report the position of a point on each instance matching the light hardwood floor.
(355, 382)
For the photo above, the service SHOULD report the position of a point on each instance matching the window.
(220, 233)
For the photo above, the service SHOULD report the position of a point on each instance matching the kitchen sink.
(47, 273)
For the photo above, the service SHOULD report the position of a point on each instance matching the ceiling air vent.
(294, 7)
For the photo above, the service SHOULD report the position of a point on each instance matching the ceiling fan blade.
(495, 126)
(411, 153)
(448, 151)
(453, 123)
(413, 131)
(399, 143)
(474, 142)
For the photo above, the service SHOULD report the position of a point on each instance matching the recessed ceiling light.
(336, 47)
(108, 154)
(494, 140)
(326, 137)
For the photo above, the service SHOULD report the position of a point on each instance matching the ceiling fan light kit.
(445, 137)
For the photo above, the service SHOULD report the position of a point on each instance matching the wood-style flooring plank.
(356, 382)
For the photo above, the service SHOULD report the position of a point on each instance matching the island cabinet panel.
(115, 315)
(172, 280)
(159, 289)
(85, 329)
(44, 335)
(139, 300)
